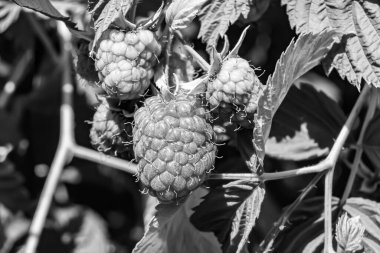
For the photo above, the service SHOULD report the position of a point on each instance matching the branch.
(333, 157)
(359, 150)
(63, 153)
(66, 150)
(279, 225)
(100, 158)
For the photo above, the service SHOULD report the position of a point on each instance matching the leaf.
(9, 14)
(181, 13)
(369, 212)
(170, 230)
(216, 212)
(245, 218)
(45, 7)
(299, 57)
(108, 14)
(217, 16)
(358, 22)
(305, 125)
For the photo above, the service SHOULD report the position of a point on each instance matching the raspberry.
(111, 133)
(124, 61)
(173, 147)
(235, 88)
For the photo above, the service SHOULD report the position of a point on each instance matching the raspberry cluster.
(124, 61)
(173, 146)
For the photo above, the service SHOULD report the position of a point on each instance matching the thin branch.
(333, 157)
(280, 224)
(66, 150)
(97, 157)
(359, 150)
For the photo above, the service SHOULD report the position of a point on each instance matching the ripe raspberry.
(173, 146)
(111, 133)
(124, 61)
(235, 87)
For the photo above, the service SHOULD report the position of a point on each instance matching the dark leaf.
(45, 7)
(216, 212)
(304, 233)
(305, 125)
(371, 141)
(170, 230)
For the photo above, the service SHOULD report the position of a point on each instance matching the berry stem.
(169, 52)
(359, 151)
(279, 225)
(202, 62)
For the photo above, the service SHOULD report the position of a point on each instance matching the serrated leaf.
(216, 212)
(181, 13)
(357, 21)
(369, 212)
(245, 218)
(299, 57)
(9, 13)
(45, 7)
(305, 125)
(170, 230)
(217, 16)
(108, 14)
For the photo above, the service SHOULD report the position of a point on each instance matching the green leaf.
(369, 212)
(305, 125)
(299, 57)
(358, 21)
(217, 211)
(217, 16)
(9, 13)
(181, 13)
(170, 230)
(108, 14)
